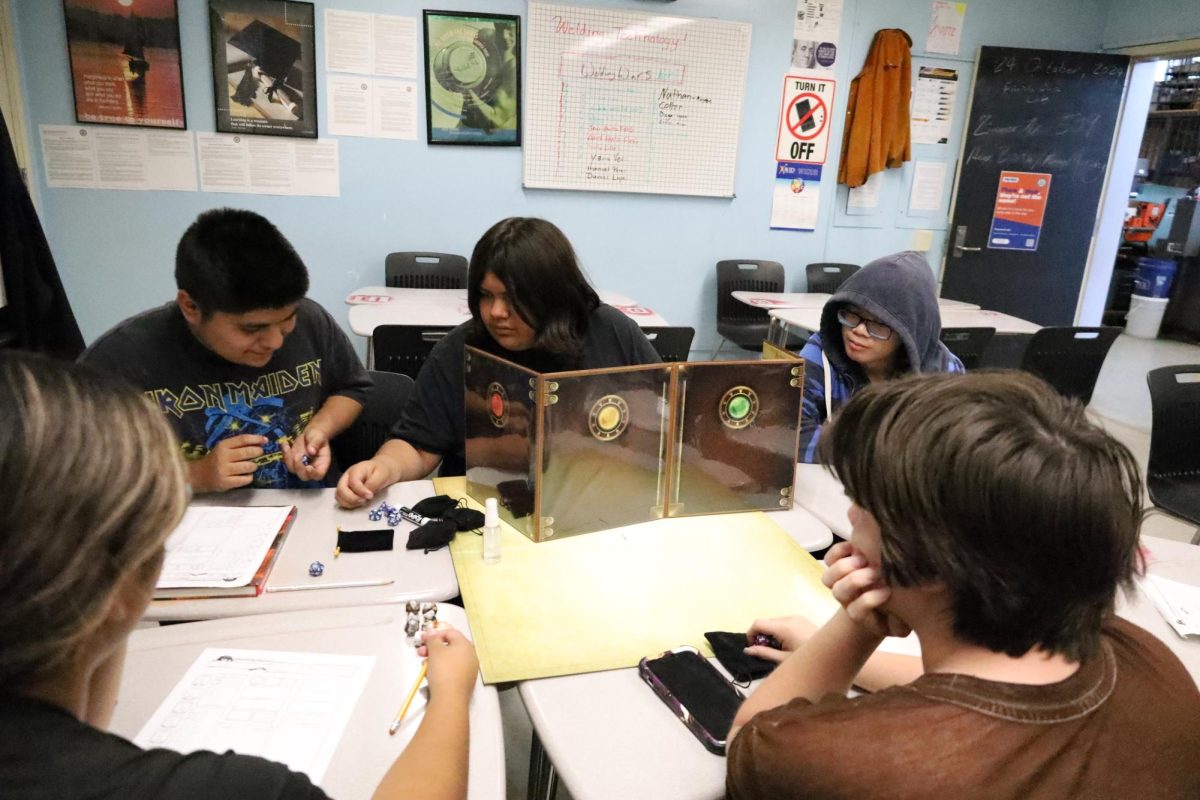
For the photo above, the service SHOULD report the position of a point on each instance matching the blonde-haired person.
(77, 570)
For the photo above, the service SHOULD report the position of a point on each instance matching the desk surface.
(158, 658)
(588, 723)
(371, 306)
(817, 300)
(416, 575)
(952, 317)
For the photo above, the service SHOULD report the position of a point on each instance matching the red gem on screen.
(497, 405)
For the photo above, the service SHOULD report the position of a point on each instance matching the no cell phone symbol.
(807, 119)
(804, 116)
(806, 122)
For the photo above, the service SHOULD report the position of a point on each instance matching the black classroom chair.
(969, 344)
(404, 348)
(1173, 472)
(425, 271)
(1069, 359)
(745, 326)
(828, 277)
(672, 343)
(360, 441)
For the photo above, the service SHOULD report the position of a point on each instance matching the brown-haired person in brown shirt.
(998, 523)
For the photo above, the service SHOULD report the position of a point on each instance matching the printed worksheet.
(1179, 603)
(220, 546)
(286, 707)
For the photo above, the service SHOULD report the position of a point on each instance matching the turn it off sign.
(804, 119)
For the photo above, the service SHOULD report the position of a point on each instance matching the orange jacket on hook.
(877, 127)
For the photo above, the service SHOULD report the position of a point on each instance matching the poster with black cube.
(472, 78)
(264, 67)
(125, 65)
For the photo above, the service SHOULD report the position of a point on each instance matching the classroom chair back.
(827, 277)
(969, 344)
(1069, 359)
(672, 343)
(737, 322)
(1173, 471)
(425, 271)
(404, 348)
(360, 441)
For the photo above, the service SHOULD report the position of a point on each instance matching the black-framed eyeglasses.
(875, 328)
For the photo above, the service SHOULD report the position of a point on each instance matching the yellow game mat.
(604, 600)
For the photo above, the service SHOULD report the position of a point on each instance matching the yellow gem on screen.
(608, 418)
(739, 407)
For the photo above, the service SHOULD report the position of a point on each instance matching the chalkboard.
(1039, 118)
(623, 101)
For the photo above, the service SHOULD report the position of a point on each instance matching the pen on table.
(301, 587)
(395, 726)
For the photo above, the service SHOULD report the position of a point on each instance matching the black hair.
(1000, 489)
(545, 285)
(232, 260)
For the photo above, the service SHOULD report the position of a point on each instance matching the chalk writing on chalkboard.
(633, 102)
(1043, 111)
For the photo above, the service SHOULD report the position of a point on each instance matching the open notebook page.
(220, 546)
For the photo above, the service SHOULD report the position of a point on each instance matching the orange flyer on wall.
(1020, 209)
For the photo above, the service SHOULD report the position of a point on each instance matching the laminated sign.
(1020, 209)
(804, 119)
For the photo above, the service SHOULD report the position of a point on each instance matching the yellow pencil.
(395, 726)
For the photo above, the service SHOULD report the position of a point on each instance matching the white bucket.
(1145, 316)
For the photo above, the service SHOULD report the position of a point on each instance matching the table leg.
(370, 352)
(543, 781)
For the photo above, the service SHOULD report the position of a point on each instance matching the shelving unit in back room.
(1171, 144)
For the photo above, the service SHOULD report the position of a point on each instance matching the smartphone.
(703, 699)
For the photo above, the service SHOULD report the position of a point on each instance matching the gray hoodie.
(900, 292)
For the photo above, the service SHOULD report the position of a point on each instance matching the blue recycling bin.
(1154, 277)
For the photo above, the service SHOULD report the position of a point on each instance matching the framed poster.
(472, 78)
(264, 67)
(125, 66)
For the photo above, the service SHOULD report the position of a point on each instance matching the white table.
(809, 319)
(805, 528)
(820, 494)
(416, 575)
(818, 299)
(372, 306)
(158, 658)
(589, 724)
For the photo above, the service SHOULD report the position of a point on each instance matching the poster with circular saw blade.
(472, 78)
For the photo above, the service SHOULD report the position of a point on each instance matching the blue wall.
(1134, 22)
(115, 249)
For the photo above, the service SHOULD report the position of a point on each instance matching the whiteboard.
(624, 101)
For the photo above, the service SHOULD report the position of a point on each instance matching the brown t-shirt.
(1125, 725)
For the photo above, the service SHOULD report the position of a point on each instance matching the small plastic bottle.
(491, 532)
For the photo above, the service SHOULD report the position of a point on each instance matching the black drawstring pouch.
(464, 519)
(431, 536)
(365, 541)
(728, 647)
(435, 507)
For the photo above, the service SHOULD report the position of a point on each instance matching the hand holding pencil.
(450, 667)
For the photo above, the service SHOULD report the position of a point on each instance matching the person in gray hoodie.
(881, 323)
